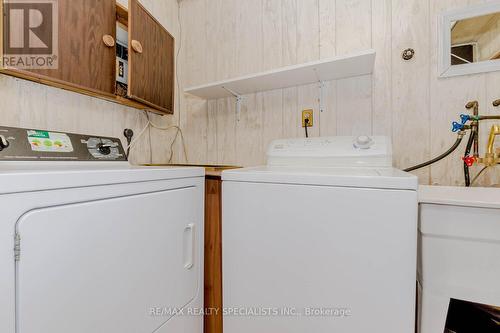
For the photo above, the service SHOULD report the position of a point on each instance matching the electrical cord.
(178, 53)
(440, 157)
(179, 131)
(150, 140)
(478, 175)
(150, 124)
(128, 134)
(307, 125)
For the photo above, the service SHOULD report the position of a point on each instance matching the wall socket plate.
(308, 114)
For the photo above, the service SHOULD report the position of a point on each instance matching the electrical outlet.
(308, 114)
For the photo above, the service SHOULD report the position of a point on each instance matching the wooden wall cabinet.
(87, 54)
(151, 60)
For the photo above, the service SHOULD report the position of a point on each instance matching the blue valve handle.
(457, 127)
(465, 118)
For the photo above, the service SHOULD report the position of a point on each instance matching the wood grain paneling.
(353, 33)
(404, 100)
(151, 72)
(382, 77)
(249, 130)
(411, 101)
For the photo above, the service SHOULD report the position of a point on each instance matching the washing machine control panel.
(332, 151)
(22, 144)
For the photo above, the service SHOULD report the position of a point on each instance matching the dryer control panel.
(22, 144)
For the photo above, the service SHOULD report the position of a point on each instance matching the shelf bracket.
(321, 86)
(239, 100)
(321, 96)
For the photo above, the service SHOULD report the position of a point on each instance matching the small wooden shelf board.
(356, 64)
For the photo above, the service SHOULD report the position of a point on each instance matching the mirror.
(470, 40)
(475, 39)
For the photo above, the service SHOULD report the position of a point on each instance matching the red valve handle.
(469, 160)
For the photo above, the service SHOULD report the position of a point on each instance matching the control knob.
(363, 142)
(104, 149)
(3, 143)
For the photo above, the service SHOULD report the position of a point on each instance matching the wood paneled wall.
(402, 99)
(27, 104)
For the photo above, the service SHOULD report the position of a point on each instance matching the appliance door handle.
(189, 242)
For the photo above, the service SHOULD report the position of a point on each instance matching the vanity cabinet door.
(86, 47)
(151, 60)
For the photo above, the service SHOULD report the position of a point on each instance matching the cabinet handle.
(137, 46)
(108, 40)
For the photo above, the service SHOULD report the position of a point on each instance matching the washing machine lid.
(481, 197)
(37, 176)
(380, 178)
(335, 151)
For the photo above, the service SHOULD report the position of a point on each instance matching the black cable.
(439, 158)
(307, 125)
(129, 134)
(470, 142)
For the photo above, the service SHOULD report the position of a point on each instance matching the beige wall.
(27, 104)
(405, 100)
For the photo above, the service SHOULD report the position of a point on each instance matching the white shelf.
(351, 65)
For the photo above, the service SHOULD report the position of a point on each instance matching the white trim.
(445, 20)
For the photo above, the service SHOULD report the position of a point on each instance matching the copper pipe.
(489, 117)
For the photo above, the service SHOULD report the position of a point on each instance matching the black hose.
(470, 142)
(439, 158)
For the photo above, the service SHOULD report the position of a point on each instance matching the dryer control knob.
(3, 143)
(104, 149)
(363, 142)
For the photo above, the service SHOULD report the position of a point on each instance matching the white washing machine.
(323, 239)
(89, 243)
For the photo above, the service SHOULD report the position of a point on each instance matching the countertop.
(210, 170)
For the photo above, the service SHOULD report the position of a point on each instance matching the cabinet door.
(151, 60)
(84, 60)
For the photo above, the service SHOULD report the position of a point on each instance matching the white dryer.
(89, 243)
(322, 239)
